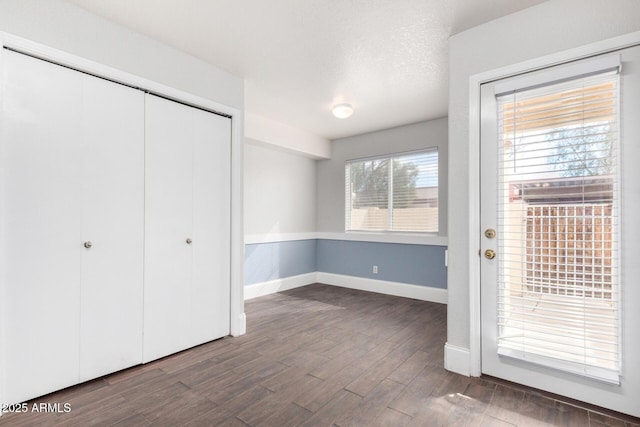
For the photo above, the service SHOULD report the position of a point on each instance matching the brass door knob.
(490, 233)
(489, 254)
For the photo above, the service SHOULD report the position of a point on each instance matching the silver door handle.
(88, 244)
(189, 241)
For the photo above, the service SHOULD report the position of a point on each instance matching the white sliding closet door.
(113, 221)
(71, 156)
(40, 236)
(168, 223)
(212, 227)
(187, 223)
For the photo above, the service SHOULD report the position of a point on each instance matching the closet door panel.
(40, 236)
(212, 227)
(113, 221)
(168, 225)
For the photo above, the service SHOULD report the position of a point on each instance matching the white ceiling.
(388, 58)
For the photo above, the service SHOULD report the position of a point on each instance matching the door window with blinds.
(558, 212)
(393, 193)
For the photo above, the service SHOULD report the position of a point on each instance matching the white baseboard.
(424, 293)
(240, 327)
(457, 359)
(273, 286)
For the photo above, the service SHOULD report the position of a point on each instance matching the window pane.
(558, 277)
(369, 194)
(396, 193)
(415, 192)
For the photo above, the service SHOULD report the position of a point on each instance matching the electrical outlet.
(375, 269)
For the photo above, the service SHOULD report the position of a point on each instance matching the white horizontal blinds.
(558, 295)
(394, 193)
(367, 190)
(415, 192)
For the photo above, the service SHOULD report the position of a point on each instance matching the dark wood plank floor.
(314, 356)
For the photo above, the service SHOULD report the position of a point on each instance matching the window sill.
(403, 238)
(357, 236)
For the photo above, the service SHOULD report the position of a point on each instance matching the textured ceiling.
(388, 58)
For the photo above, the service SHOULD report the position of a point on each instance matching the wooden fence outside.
(569, 249)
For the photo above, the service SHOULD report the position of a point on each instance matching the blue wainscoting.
(421, 265)
(278, 260)
(413, 264)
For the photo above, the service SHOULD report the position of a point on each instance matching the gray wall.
(277, 260)
(417, 264)
(330, 216)
(550, 27)
(279, 200)
(287, 194)
(421, 265)
(279, 191)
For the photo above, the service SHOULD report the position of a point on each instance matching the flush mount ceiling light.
(342, 111)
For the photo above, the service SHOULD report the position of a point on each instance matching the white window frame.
(388, 229)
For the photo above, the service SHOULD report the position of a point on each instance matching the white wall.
(416, 136)
(262, 131)
(279, 192)
(553, 26)
(69, 28)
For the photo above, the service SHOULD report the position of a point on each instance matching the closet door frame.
(38, 50)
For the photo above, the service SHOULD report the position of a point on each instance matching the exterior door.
(560, 187)
(187, 241)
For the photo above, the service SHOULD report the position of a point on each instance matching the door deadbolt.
(490, 233)
(489, 254)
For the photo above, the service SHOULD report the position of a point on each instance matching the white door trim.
(238, 319)
(604, 46)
